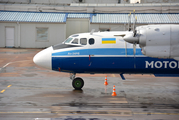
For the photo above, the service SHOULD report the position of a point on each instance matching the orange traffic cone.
(106, 83)
(114, 91)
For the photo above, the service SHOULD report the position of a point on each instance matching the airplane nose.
(43, 58)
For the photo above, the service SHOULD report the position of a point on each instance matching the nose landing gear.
(77, 83)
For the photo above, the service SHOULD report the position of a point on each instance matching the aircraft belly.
(115, 65)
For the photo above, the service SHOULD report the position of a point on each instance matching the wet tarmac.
(29, 92)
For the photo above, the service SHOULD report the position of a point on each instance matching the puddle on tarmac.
(18, 52)
(68, 118)
(99, 112)
(7, 70)
(77, 91)
(30, 75)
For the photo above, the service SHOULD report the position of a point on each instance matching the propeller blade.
(129, 22)
(134, 27)
(134, 24)
(134, 20)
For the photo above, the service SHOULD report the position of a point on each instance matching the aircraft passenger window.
(75, 41)
(68, 40)
(83, 41)
(91, 41)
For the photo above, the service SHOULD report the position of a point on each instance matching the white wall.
(56, 34)
(23, 1)
(74, 26)
(159, 1)
(27, 36)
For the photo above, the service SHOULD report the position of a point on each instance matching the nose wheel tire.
(78, 83)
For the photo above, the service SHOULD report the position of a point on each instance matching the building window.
(42, 34)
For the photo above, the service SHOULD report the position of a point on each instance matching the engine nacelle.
(159, 41)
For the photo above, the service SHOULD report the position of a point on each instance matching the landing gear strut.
(72, 76)
(77, 83)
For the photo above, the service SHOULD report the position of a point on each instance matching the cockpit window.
(75, 41)
(68, 40)
(91, 41)
(83, 41)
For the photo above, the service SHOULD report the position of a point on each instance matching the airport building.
(41, 23)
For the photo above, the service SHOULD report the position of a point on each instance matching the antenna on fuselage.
(92, 31)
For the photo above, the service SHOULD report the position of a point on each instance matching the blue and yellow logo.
(108, 40)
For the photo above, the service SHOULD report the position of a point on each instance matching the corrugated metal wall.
(51, 17)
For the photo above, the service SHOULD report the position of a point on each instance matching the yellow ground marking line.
(2, 91)
(9, 86)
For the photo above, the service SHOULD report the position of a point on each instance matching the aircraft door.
(91, 42)
(83, 58)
